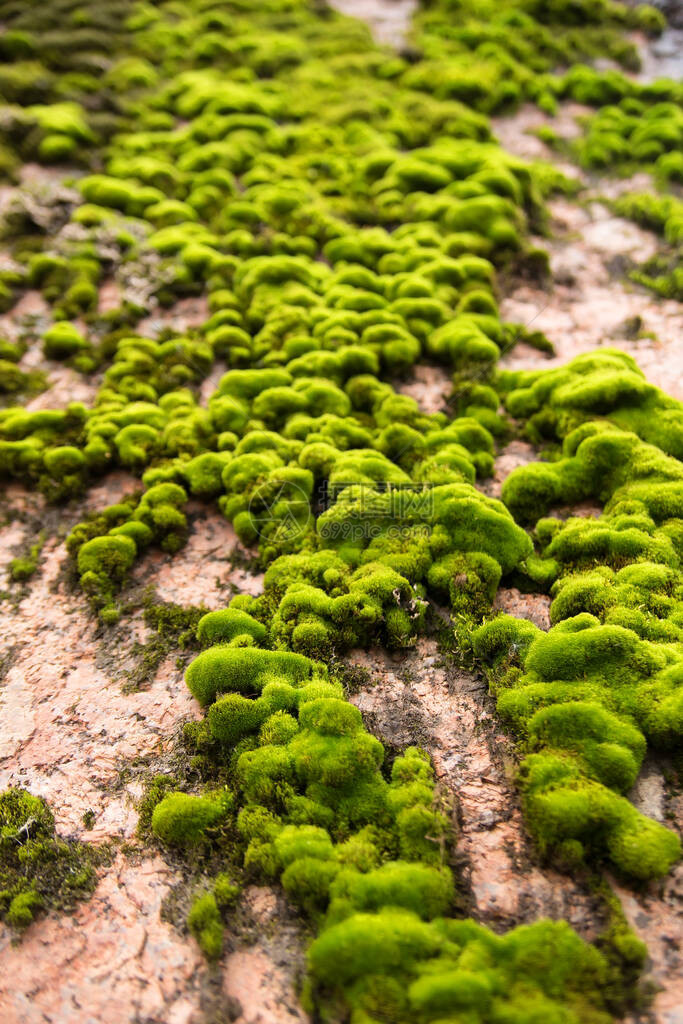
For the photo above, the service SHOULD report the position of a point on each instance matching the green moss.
(225, 891)
(14, 381)
(103, 563)
(426, 891)
(245, 670)
(22, 568)
(561, 806)
(340, 239)
(233, 716)
(181, 819)
(38, 870)
(62, 341)
(226, 624)
(204, 922)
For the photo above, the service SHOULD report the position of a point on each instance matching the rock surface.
(389, 20)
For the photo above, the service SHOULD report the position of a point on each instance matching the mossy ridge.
(606, 385)
(57, 109)
(360, 320)
(605, 681)
(106, 545)
(360, 854)
(496, 56)
(39, 871)
(478, 197)
(635, 130)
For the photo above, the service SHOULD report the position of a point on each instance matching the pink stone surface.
(430, 386)
(67, 731)
(204, 571)
(655, 915)
(66, 726)
(513, 455)
(113, 961)
(534, 607)
(585, 307)
(183, 314)
(261, 988)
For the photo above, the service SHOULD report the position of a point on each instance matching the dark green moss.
(39, 871)
(173, 630)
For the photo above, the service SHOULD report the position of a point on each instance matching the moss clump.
(367, 955)
(23, 567)
(223, 626)
(204, 921)
(14, 381)
(220, 669)
(62, 341)
(575, 696)
(38, 870)
(561, 806)
(103, 562)
(598, 385)
(181, 819)
(233, 716)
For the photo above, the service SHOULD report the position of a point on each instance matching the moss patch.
(39, 871)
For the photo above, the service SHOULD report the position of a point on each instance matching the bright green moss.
(63, 340)
(425, 891)
(504, 636)
(612, 749)
(103, 563)
(221, 669)
(371, 944)
(278, 729)
(562, 806)
(224, 625)
(233, 716)
(334, 761)
(23, 567)
(606, 384)
(339, 240)
(225, 891)
(307, 881)
(566, 655)
(264, 773)
(204, 922)
(181, 819)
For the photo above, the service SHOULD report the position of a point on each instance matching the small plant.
(38, 870)
(22, 568)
